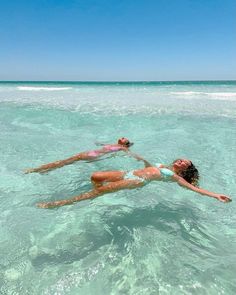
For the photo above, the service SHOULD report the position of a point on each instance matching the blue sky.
(109, 40)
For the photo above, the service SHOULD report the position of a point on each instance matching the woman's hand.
(223, 198)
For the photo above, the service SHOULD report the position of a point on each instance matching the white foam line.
(222, 94)
(32, 88)
(187, 93)
(218, 94)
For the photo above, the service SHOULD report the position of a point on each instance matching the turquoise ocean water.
(160, 239)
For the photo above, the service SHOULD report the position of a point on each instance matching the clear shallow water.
(160, 239)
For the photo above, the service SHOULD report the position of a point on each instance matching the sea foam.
(37, 88)
(211, 95)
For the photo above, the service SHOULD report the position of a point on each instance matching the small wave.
(222, 94)
(229, 96)
(186, 93)
(218, 94)
(38, 88)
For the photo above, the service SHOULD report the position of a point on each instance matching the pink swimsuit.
(112, 148)
(93, 153)
(107, 148)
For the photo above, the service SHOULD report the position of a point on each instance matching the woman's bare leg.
(99, 191)
(98, 178)
(60, 163)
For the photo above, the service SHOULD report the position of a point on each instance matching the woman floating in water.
(181, 171)
(123, 144)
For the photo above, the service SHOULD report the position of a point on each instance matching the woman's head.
(125, 142)
(187, 170)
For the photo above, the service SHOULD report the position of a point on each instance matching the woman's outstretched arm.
(100, 143)
(139, 158)
(99, 191)
(55, 165)
(184, 183)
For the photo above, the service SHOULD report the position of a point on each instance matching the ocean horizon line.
(116, 81)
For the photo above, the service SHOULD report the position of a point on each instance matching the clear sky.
(117, 40)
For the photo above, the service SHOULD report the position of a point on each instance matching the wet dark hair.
(190, 174)
(127, 143)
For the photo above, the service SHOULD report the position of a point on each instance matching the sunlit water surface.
(160, 239)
